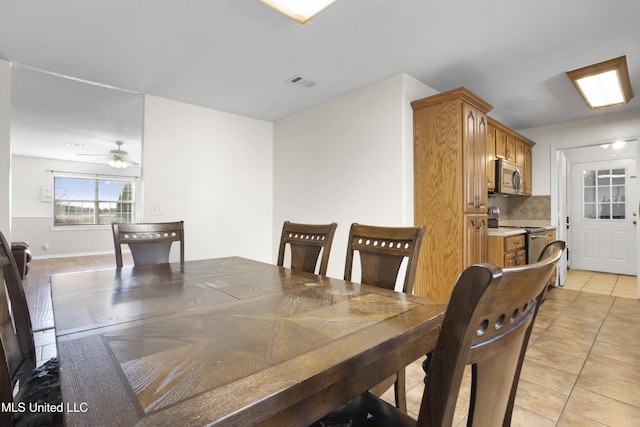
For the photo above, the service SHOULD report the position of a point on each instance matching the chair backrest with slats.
(150, 243)
(382, 251)
(487, 325)
(16, 332)
(306, 241)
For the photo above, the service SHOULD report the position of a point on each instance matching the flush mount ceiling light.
(300, 10)
(605, 84)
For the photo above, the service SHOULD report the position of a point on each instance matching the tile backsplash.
(522, 208)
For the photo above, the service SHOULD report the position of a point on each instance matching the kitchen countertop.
(509, 230)
(526, 223)
(506, 231)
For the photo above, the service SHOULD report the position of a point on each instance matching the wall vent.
(301, 82)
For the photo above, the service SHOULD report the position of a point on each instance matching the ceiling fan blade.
(117, 155)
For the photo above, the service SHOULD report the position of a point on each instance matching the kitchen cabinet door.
(474, 159)
(476, 242)
(527, 177)
(511, 148)
(501, 144)
(519, 145)
(514, 259)
(491, 158)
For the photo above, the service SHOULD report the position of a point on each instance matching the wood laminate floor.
(581, 368)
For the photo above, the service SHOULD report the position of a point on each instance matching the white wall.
(32, 218)
(214, 171)
(595, 153)
(348, 160)
(5, 149)
(598, 129)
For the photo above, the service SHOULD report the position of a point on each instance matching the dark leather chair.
(487, 325)
(150, 243)
(306, 241)
(17, 354)
(22, 256)
(382, 251)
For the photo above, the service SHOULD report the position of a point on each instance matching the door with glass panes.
(604, 215)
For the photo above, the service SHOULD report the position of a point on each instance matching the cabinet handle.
(478, 202)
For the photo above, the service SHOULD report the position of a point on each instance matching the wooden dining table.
(227, 342)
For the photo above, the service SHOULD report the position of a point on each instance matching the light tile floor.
(602, 283)
(581, 367)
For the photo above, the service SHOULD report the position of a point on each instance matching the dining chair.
(548, 248)
(487, 325)
(150, 243)
(21, 383)
(551, 249)
(306, 241)
(382, 251)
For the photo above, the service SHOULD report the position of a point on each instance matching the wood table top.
(228, 342)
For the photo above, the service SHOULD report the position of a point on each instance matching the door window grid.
(92, 201)
(604, 194)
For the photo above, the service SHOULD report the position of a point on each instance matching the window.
(92, 201)
(604, 194)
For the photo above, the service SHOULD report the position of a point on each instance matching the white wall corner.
(5, 148)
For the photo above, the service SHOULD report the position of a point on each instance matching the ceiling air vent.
(301, 82)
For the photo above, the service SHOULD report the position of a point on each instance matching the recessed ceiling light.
(75, 144)
(300, 10)
(605, 84)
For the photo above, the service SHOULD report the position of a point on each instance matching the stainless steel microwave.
(508, 177)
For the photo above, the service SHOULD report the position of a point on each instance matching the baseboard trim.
(75, 254)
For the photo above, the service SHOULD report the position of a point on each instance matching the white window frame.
(96, 202)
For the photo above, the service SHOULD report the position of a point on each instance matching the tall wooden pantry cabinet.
(450, 187)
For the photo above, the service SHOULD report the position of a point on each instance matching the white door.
(603, 213)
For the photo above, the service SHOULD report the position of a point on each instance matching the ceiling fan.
(118, 157)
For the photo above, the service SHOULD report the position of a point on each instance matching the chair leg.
(401, 391)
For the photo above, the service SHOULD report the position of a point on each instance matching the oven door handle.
(533, 236)
(516, 181)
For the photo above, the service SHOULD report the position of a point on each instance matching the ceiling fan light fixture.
(118, 163)
(605, 84)
(299, 10)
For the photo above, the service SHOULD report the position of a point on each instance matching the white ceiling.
(236, 55)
